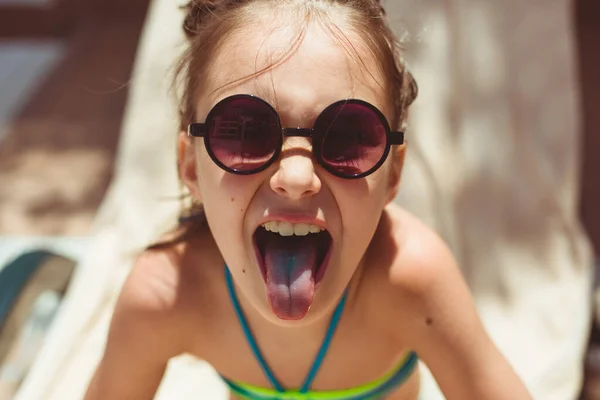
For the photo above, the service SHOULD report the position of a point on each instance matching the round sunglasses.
(243, 135)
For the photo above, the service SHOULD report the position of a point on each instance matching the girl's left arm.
(443, 327)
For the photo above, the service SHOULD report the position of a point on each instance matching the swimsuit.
(370, 391)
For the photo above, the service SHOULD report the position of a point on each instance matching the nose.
(296, 177)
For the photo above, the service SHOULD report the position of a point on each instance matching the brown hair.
(208, 23)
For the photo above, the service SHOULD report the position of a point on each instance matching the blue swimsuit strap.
(257, 353)
(335, 319)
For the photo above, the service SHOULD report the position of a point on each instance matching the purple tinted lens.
(354, 138)
(244, 133)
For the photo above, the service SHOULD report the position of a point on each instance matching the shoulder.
(145, 317)
(436, 316)
(426, 284)
(148, 302)
(164, 299)
(428, 289)
(434, 313)
(163, 282)
(423, 260)
(152, 285)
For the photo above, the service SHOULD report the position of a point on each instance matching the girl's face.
(285, 277)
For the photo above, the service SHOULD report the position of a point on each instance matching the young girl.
(303, 280)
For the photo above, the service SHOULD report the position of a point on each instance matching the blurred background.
(65, 68)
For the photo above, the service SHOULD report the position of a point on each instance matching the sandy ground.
(56, 158)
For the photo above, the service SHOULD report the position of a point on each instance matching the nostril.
(280, 191)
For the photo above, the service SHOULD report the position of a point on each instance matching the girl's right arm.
(140, 340)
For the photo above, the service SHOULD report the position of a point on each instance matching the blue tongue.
(290, 264)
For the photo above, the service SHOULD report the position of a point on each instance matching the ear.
(397, 161)
(187, 164)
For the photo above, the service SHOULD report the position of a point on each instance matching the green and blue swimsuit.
(371, 391)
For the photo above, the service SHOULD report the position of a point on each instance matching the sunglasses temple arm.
(196, 130)
(396, 137)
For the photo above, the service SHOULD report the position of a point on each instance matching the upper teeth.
(289, 229)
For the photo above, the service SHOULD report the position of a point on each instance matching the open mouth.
(293, 261)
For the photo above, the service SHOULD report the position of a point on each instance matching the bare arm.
(446, 331)
(139, 341)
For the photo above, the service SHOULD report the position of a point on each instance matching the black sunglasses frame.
(392, 137)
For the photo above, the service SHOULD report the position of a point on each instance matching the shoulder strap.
(335, 319)
(248, 334)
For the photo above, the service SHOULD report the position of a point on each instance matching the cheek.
(224, 194)
(367, 193)
(226, 198)
(361, 203)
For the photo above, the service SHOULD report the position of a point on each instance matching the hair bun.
(196, 13)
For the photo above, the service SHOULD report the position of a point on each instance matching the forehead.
(313, 67)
